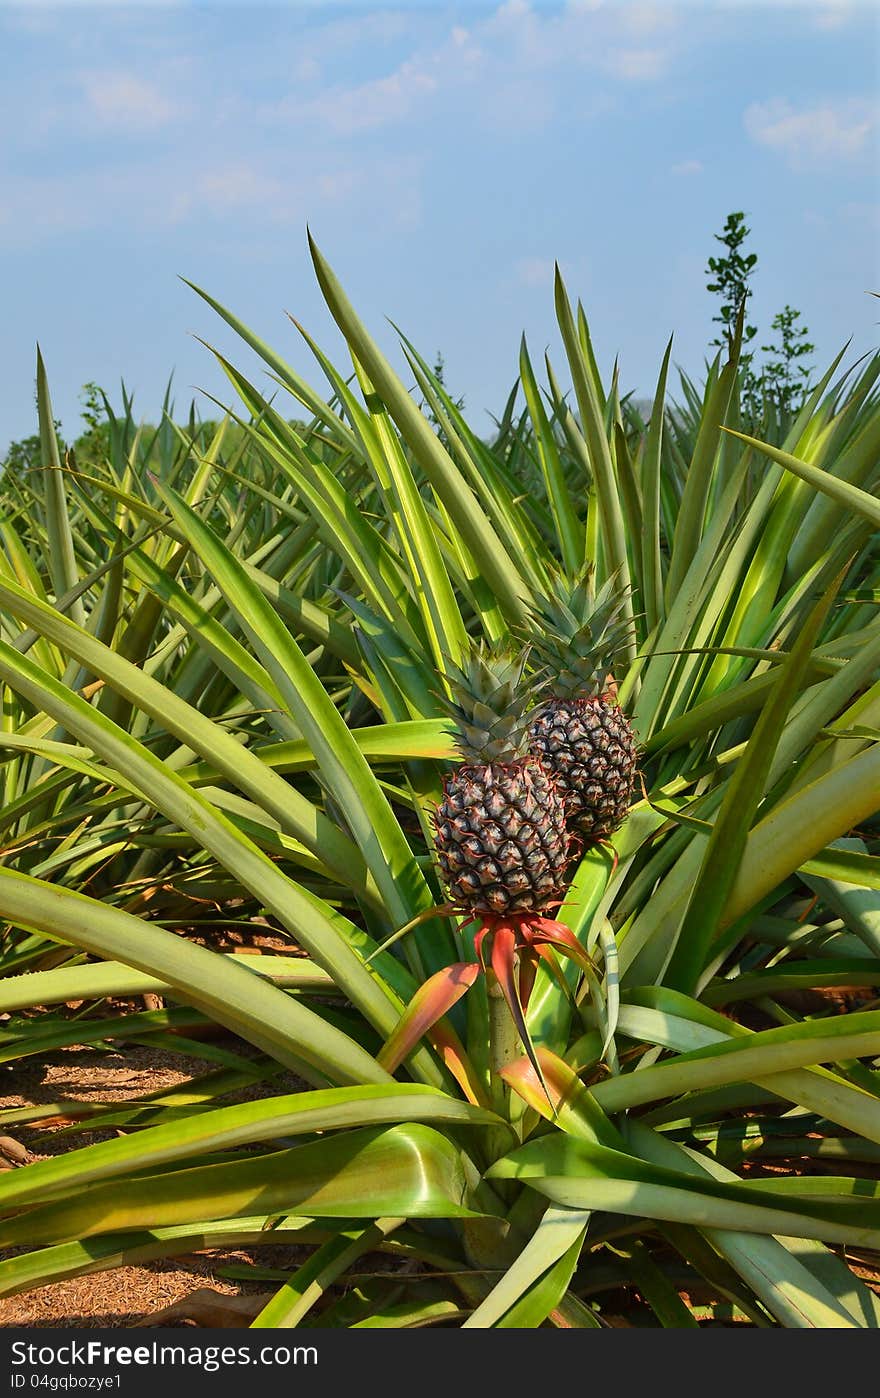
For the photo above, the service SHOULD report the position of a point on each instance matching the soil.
(126, 1296)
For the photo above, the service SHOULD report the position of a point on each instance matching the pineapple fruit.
(580, 733)
(501, 838)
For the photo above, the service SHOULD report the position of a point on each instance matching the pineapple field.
(488, 824)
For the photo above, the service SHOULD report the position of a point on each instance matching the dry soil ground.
(125, 1295)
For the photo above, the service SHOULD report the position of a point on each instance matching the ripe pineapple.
(500, 830)
(581, 734)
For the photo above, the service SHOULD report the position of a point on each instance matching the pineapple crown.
(491, 707)
(576, 633)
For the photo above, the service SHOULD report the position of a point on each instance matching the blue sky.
(444, 156)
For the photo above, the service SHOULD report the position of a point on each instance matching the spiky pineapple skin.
(588, 745)
(501, 837)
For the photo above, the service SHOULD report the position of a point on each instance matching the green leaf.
(652, 555)
(685, 1025)
(104, 978)
(247, 1004)
(478, 535)
(769, 1266)
(306, 916)
(417, 537)
(309, 1282)
(850, 496)
(343, 767)
(80, 1259)
(356, 1174)
(803, 825)
(559, 1237)
(847, 879)
(296, 815)
(579, 1174)
(60, 548)
(613, 536)
(275, 1118)
(569, 530)
(690, 524)
(726, 845)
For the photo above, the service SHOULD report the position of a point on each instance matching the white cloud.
(340, 184)
(863, 211)
(833, 14)
(159, 192)
(375, 103)
(229, 187)
(648, 19)
(41, 16)
(529, 40)
(307, 69)
(356, 30)
(828, 131)
(125, 101)
(637, 65)
(516, 24)
(39, 206)
(164, 194)
(687, 167)
(392, 97)
(506, 64)
(535, 271)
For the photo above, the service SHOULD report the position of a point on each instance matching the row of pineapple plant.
(276, 725)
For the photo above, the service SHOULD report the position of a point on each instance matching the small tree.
(785, 378)
(21, 457)
(730, 280)
(26, 454)
(438, 371)
(731, 276)
(93, 445)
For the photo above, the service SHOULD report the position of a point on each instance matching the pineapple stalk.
(504, 1043)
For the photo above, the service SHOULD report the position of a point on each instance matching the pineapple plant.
(503, 847)
(581, 734)
(501, 836)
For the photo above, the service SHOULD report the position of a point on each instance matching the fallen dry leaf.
(211, 1309)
